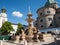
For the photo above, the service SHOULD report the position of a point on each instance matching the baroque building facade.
(48, 16)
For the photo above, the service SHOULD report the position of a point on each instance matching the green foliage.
(20, 26)
(6, 28)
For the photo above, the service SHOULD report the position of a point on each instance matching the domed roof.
(3, 10)
(50, 2)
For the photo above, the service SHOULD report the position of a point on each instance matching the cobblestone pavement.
(30, 43)
(7, 43)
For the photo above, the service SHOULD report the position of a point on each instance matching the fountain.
(31, 31)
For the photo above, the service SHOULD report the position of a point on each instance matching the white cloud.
(17, 14)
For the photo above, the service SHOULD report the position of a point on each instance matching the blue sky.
(22, 7)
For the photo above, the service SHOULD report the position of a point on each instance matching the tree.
(6, 28)
(20, 26)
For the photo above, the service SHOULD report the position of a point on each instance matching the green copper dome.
(50, 2)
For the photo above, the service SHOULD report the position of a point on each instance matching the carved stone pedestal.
(29, 38)
(40, 37)
(22, 37)
(35, 38)
(17, 39)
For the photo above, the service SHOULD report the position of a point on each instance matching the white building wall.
(3, 18)
(1, 21)
(15, 28)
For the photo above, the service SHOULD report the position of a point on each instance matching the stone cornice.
(45, 15)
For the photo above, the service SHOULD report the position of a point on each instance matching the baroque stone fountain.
(31, 31)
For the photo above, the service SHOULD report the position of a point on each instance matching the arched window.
(59, 18)
(41, 20)
(42, 26)
(48, 11)
(51, 25)
(40, 13)
(50, 19)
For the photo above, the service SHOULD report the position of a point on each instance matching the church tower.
(52, 3)
(3, 16)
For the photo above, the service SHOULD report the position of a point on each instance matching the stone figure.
(22, 35)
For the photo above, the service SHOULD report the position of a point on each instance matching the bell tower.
(3, 16)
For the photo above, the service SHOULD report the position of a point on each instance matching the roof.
(47, 4)
(50, 2)
(17, 24)
(40, 8)
(14, 24)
